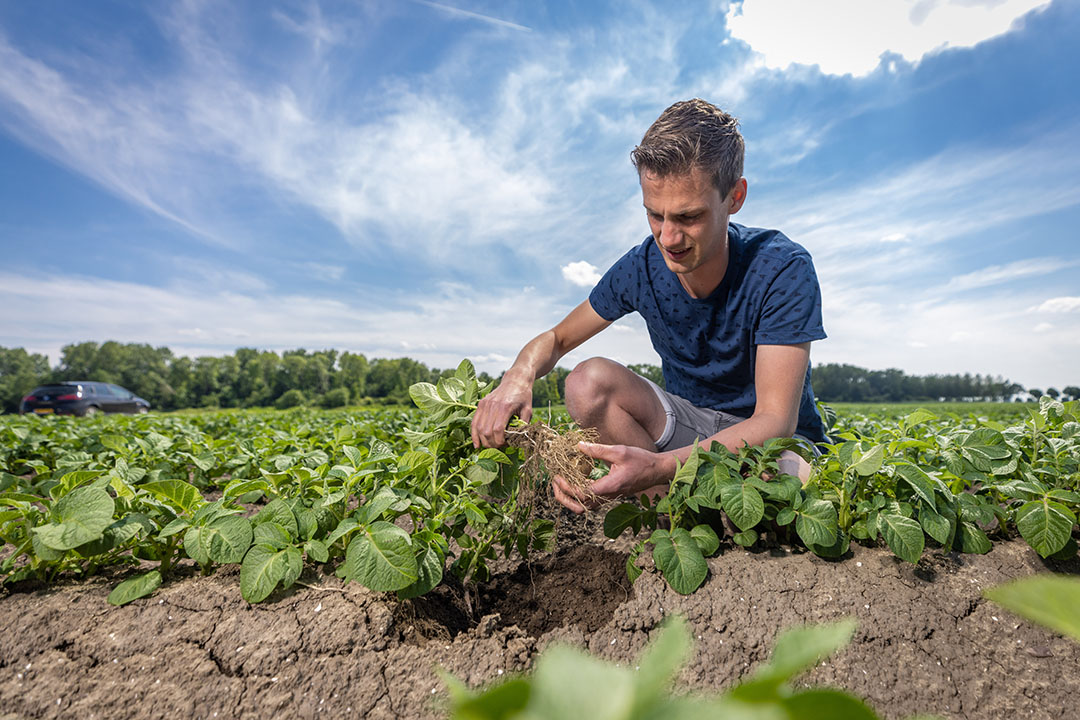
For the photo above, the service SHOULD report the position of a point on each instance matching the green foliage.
(291, 398)
(1050, 600)
(569, 683)
(907, 480)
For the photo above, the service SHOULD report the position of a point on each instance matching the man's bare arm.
(537, 358)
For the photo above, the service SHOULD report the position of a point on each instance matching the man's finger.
(564, 499)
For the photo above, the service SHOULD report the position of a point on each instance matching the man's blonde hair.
(693, 134)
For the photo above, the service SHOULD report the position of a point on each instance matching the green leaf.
(429, 568)
(824, 704)
(935, 525)
(135, 588)
(785, 516)
(566, 684)
(178, 494)
(1050, 600)
(871, 460)
(816, 522)
(679, 559)
(904, 536)
(193, 546)
(126, 528)
(972, 539)
(837, 549)
(177, 525)
(294, 565)
(744, 506)
(501, 702)
(686, 472)
(226, 539)
(917, 417)
(706, 539)
(381, 558)
(278, 511)
(79, 517)
(1045, 524)
(317, 550)
(270, 533)
(660, 662)
(356, 458)
(746, 538)
(263, 568)
(620, 517)
(920, 482)
(801, 648)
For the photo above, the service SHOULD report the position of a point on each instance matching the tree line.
(327, 378)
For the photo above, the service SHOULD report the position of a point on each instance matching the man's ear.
(737, 196)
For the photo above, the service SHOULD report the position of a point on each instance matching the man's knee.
(589, 385)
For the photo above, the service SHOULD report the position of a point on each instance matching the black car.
(80, 397)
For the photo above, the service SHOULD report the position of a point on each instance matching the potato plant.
(396, 500)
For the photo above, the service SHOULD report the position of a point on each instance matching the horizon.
(446, 180)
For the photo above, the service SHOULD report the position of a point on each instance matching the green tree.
(19, 373)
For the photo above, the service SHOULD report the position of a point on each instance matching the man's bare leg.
(620, 404)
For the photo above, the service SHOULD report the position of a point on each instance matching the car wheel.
(142, 410)
(90, 411)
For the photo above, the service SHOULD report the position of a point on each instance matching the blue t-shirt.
(769, 296)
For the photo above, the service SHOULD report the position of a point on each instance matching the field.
(329, 563)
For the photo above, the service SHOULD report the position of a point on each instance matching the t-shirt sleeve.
(616, 293)
(791, 311)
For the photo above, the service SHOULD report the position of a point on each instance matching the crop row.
(394, 499)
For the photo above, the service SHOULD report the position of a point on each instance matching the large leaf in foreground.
(80, 516)
(679, 558)
(264, 567)
(135, 588)
(1045, 524)
(816, 522)
(1050, 600)
(381, 558)
(904, 536)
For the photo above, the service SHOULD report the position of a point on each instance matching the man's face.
(689, 221)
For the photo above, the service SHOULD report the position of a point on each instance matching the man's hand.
(494, 411)
(633, 470)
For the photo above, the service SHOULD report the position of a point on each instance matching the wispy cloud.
(997, 274)
(470, 15)
(1059, 305)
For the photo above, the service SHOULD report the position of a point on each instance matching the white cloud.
(439, 328)
(894, 237)
(581, 273)
(1059, 305)
(1042, 327)
(850, 36)
(997, 274)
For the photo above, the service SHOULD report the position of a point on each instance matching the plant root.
(552, 453)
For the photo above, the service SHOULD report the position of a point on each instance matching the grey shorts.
(687, 422)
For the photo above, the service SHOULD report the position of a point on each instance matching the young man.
(730, 310)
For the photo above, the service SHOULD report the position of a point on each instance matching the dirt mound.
(927, 641)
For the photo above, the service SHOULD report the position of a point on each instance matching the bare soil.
(927, 641)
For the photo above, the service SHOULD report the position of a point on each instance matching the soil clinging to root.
(926, 641)
(549, 452)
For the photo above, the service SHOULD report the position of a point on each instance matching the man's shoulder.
(766, 243)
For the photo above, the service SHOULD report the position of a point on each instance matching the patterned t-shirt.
(769, 296)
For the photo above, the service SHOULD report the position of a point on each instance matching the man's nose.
(670, 234)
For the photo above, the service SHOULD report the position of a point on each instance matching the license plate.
(43, 411)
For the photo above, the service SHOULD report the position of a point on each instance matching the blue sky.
(446, 180)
